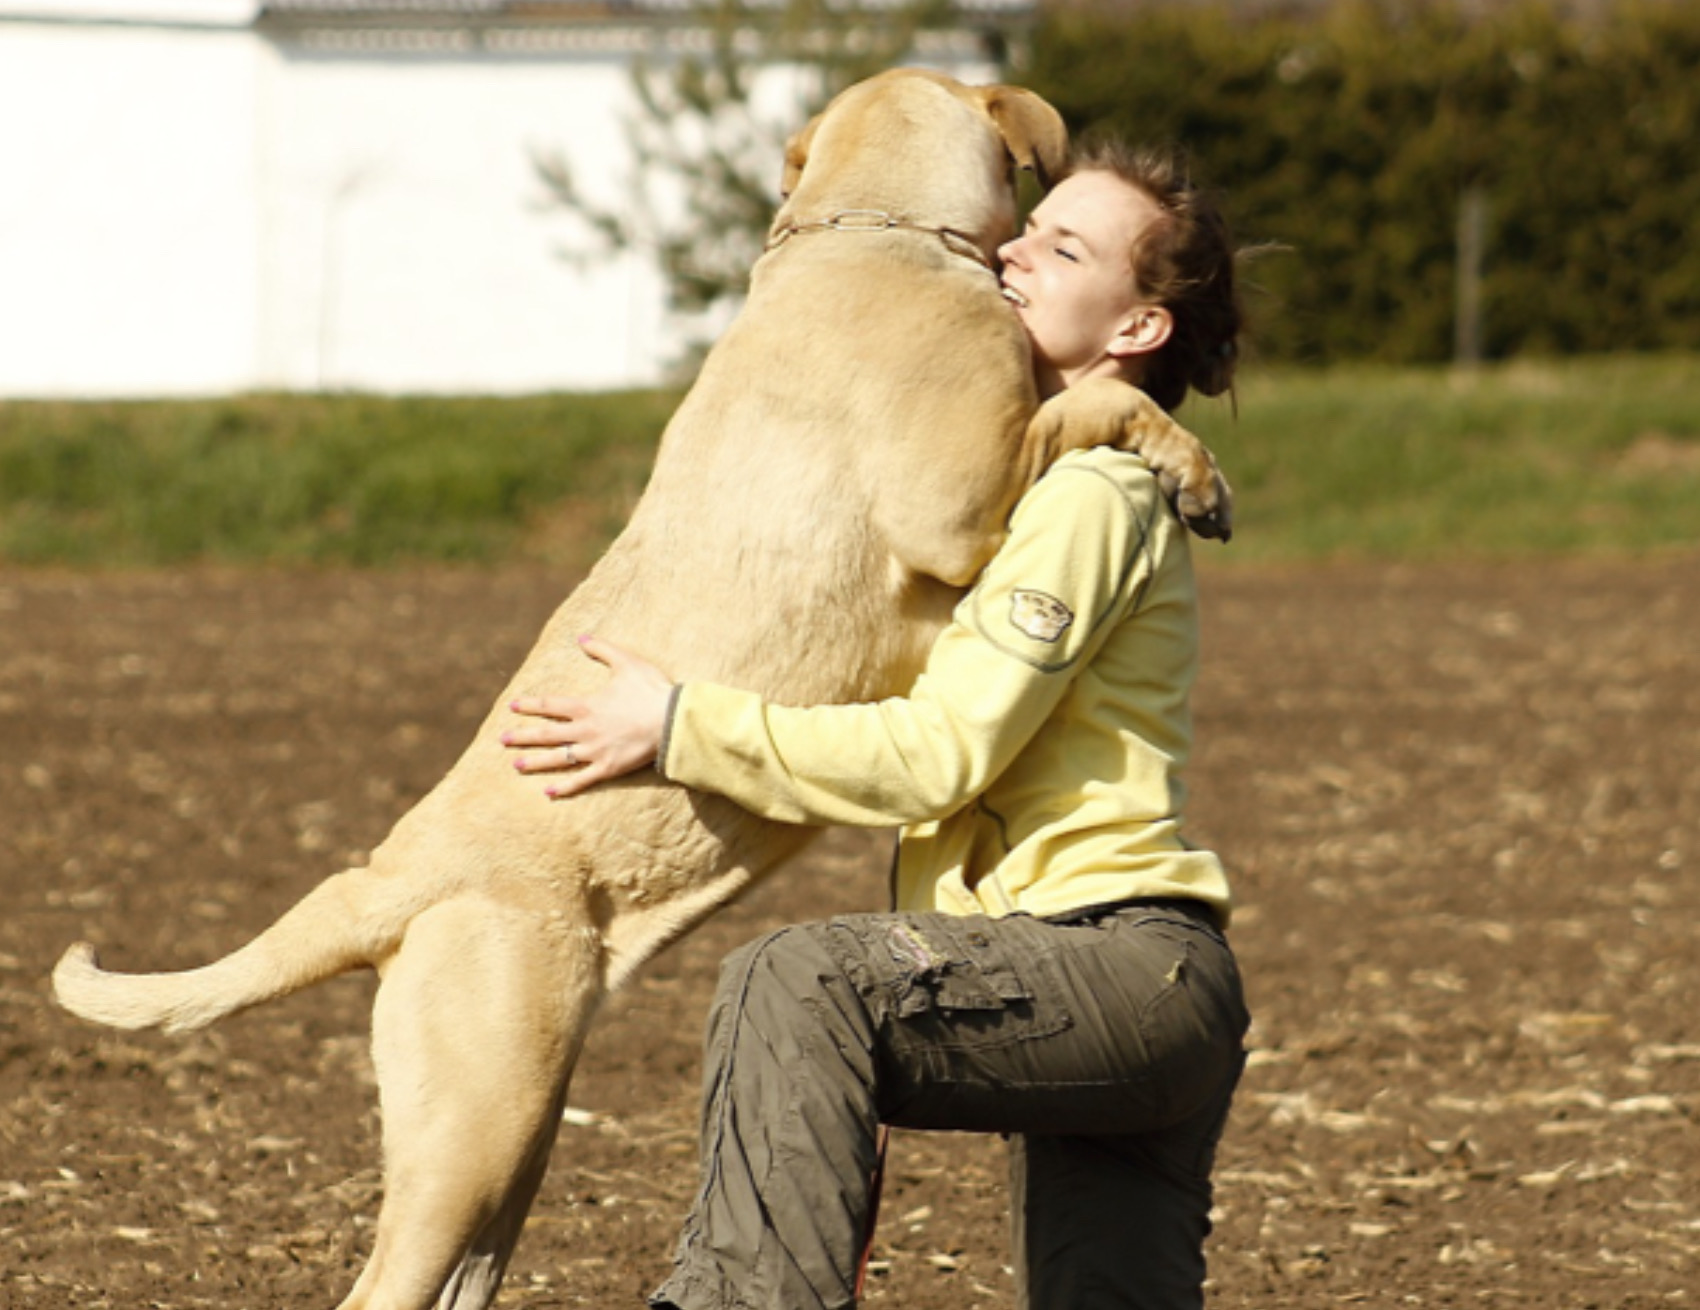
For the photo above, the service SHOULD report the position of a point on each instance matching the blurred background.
(378, 251)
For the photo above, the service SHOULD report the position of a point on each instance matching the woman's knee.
(787, 958)
(784, 977)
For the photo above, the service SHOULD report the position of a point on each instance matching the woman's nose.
(1009, 251)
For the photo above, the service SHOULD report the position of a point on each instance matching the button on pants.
(1107, 1047)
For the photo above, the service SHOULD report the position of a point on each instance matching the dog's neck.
(878, 220)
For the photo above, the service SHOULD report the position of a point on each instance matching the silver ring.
(572, 758)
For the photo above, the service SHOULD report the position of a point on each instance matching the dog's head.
(919, 143)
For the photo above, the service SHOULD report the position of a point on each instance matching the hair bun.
(1213, 372)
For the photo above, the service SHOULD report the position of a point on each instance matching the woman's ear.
(1148, 330)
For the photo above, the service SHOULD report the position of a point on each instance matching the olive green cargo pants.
(1107, 1045)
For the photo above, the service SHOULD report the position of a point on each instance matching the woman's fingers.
(551, 743)
(604, 652)
(547, 707)
(587, 740)
(555, 732)
(548, 761)
(579, 780)
(620, 661)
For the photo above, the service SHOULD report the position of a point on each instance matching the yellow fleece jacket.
(1035, 765)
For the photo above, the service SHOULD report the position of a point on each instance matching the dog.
(839, 472)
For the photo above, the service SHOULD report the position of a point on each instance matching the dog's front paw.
(1208, 509)
(1184, 467)
(1108, 412)
(1190, 479)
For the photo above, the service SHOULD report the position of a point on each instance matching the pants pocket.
(940, 982)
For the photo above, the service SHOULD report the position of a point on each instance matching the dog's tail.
(329, 931)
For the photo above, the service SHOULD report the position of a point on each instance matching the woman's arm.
(1074, 556)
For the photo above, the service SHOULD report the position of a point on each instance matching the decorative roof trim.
(446, 26)
(437, 41)
(534, 11)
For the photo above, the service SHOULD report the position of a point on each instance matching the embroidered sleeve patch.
(1036, 615)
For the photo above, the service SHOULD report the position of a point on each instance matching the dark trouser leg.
(1114, 1221)
(787, 1135)
(1126, 1031)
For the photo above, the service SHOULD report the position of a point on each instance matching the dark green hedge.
(1348, 133)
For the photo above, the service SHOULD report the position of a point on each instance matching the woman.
(1056, 969)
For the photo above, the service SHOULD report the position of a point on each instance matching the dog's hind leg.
(475, 1029)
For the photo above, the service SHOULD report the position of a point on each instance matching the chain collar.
(877, 220)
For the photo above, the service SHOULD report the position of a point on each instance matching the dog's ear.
(1033, 131)
(796, 156)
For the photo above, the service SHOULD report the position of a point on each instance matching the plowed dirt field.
(1460, 806)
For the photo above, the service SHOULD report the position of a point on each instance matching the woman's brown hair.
(1184, 261)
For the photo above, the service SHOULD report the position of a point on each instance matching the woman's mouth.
(1014, 297)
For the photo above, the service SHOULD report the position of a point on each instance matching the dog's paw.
(1212, 517)
(1109, 412)
(1202, 499)
(1189, 477)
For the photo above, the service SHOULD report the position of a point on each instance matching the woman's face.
(1070, 278)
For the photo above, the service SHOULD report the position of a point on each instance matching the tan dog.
(842, 467)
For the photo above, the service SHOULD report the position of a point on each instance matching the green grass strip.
(1593, 456)
(1575, 457)
(312, 479)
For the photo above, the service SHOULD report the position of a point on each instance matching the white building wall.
(127, 194)
(198, 208)
(405, 241)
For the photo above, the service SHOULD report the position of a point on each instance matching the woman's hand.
(594, 738)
